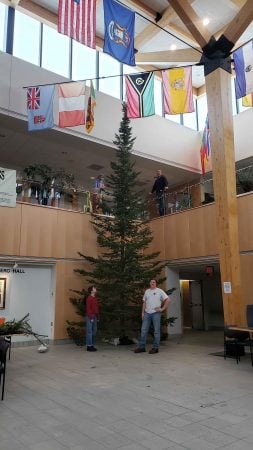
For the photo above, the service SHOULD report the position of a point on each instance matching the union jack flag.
(33, 98)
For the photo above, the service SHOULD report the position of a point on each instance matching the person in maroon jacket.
(92, 316)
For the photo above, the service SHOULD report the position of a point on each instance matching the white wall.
(175, 307)
(157, 138)
(30, 290)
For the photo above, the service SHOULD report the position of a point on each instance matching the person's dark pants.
(160, 198)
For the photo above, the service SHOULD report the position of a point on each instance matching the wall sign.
(2, 292)
(227, 287)
(7, 187)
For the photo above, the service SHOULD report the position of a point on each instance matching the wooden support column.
(219, 99)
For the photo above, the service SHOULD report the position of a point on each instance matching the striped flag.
(140, 95)
(205, 149)
(77, 19)
(177, 90)
(90, 119)
(71, 104)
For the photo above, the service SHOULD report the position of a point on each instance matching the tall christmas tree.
(124, 267)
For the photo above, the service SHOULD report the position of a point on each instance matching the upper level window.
(83, 62)
(158, 97)
(55, 51)
(3, 22)
(202, 111)
(109, 66)
(26, 44)
(190, 119)
(173, 117)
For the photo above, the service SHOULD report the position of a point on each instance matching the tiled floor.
(181, 398)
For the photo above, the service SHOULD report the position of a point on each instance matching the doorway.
(193, 305)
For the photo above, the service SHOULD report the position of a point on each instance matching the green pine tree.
(124, 267)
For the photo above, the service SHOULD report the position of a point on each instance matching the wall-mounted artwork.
(2, 292)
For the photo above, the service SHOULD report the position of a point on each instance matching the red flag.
(77, 19)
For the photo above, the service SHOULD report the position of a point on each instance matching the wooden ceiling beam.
(177, 56)
(152, 30)
(240, 22)
(192, 21)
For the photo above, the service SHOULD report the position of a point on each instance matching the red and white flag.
(71, 104)
(77, 19)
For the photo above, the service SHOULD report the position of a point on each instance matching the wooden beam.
(152, 30)
(187, 55)
(240, 22)
(191, 21)
(219, 100)
(238, 3)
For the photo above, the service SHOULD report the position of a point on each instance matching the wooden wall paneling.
(177, 243)
(38, 231)
(245, 222)
(202, 231)
(157, 245)
(10, 219)
(66, 279)
(75, 234)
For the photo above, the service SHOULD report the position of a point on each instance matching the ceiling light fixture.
(173, 47)
(205, 21)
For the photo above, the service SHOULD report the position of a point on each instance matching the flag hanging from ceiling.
(140, 95)
(247, 100)
(40, 107)
(177, 90)
(90, 119)
(77, 19)
(205, 149)
(119, 32)
(243, 60)
(71, 104)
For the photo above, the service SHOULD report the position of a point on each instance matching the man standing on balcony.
(159, 187)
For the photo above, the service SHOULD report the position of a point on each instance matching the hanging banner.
(7, 187)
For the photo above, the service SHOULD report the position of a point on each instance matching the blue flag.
(243, 60)
(119, 32)
(40, 107)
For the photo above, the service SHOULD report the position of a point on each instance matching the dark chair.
(235, 342)
(4, 345)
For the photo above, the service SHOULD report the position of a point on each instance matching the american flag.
(77, 19)
(33, 98)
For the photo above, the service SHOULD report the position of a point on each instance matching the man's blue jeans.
(155, 319)
(91, 331)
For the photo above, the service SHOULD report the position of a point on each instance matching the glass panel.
(173, 117)
(83, 62)
(55, 51)
(202, 111)
(109, 66)
(190, 119)
(3, 23)
(158, 97)
(26, 43)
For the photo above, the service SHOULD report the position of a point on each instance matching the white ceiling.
(219, 12)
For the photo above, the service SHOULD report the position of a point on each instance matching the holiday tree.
(124, 266)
